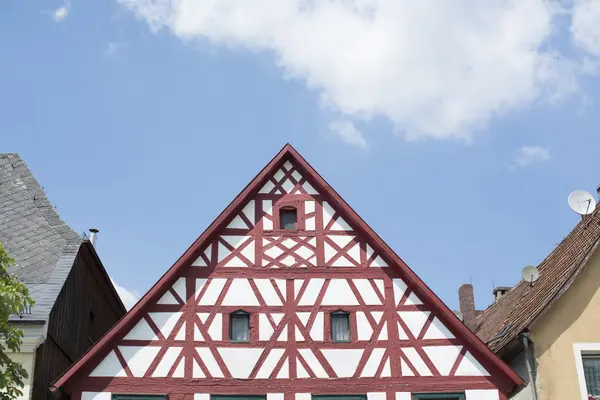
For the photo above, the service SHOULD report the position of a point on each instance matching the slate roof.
(504, 320)
(43, 246)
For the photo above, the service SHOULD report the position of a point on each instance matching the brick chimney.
(467, 305)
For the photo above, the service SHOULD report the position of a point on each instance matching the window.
(587, 362)
(239, 326)
(340, 397)
(438, 396)
(340, 326)
(288, 218)
(236, 397)
(138, 397)
(591, 371)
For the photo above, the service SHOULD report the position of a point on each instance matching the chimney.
(598, 190)
(467, 305)
(93, 236)
(499, 292)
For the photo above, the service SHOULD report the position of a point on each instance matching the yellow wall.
(574, 318)
(27, 361)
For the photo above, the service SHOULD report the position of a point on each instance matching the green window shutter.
(235, 397)
(138, 397)
(438, 396)
(341, 397)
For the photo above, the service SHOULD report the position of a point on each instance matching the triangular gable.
(348, 243)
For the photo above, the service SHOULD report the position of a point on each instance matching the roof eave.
(568, 283)
(98, 263)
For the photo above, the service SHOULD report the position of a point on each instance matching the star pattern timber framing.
(289, 282)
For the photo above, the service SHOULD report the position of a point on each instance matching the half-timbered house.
(289, 295)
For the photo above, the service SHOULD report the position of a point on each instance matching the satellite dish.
(582, 202)
(530, 274)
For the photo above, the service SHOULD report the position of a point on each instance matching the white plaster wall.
(376, 396)
(96, 396)
(274, 396)
(110, 366)
(232, 357)
(469, 366)
(399, 289)
(343, 361)
(373, 363)
(27, 360)
(139, 358)
(338, 293)
(216, 327)
(210, 362)
(364, 328)
(269, 364)
(240, 293)
(267, 291)
(443, 357)
(312, 291)
(165, 364)
(486, 394)
(313, 363)
(367, 292)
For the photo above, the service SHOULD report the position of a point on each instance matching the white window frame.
(581, 349)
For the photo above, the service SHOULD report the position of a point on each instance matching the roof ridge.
(33, 233)
(43, 204)
(525, 303)
(476, 347)
(543, 264)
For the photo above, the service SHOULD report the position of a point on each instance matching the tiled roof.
(503, 321)
(43, 246)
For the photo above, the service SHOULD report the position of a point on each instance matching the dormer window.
(239, 326)
(288, 219)
(340, 326)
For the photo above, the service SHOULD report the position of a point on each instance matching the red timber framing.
(175, 341)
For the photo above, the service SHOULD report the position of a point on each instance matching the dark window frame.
(588, 355)
(231, 316)
(288, 210)
(339, 396)
(338, 313)
(237, 397)
(438, 396)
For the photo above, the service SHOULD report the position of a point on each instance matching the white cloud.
(129, 297)
(586, 26)
(61, 12)
(529, 155)
(438, 69)
(348, 132)
(112, 48)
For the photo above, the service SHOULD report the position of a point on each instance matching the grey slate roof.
(43, 246)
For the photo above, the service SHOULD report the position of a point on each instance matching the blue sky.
(457, 137)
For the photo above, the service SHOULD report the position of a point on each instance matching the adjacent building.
(289, 295)
(548, 330)
(76, 302)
